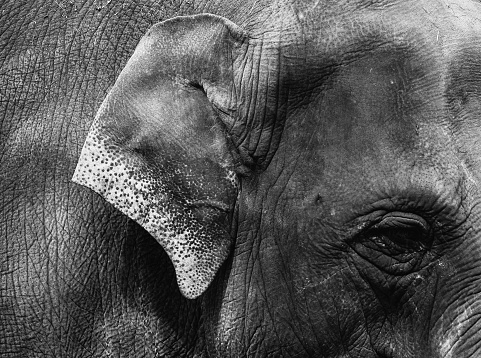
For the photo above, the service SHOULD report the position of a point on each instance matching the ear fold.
(158, 152)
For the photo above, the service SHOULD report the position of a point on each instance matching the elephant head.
(326, 157)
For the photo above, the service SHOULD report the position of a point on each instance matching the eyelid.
(402, 220)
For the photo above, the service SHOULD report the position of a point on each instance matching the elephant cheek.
(455, 334)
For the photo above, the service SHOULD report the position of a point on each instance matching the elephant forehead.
(379, 85)
(379, 125)
(319, 34)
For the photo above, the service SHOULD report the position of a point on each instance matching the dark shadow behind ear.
(158, 152)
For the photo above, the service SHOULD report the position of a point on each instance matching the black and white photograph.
(240, 178)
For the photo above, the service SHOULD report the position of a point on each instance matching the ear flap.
(158, 152)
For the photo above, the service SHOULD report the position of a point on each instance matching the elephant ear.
(158, 152)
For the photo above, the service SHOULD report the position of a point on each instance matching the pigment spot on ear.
(232, 178)
(125, 180)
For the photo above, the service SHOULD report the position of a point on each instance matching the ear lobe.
(158, 152)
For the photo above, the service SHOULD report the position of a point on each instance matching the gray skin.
(302, 179)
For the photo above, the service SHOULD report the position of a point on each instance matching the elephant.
(211, 178)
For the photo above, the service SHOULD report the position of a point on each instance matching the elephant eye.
(396, 244)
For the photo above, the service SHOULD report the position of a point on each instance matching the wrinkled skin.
(353, 226)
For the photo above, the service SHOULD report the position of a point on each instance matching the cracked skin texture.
(343, 116)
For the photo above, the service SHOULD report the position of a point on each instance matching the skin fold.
(263, 179)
